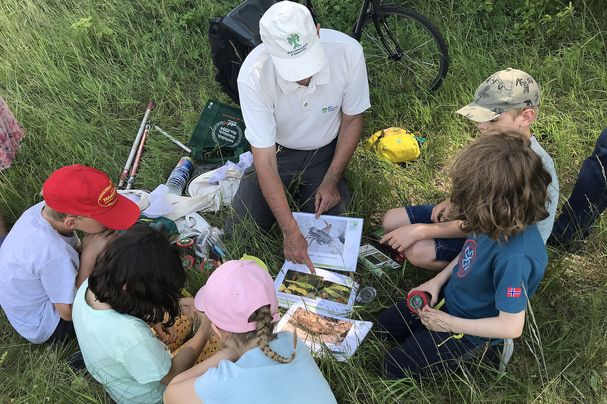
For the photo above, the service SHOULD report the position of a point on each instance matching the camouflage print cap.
(504, 90)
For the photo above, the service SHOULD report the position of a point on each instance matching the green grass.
(78, 74)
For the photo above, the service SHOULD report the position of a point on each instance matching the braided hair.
(264, 333)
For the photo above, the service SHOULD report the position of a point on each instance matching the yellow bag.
(394, 144)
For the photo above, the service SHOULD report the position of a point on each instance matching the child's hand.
(430, 287)
(186, 307)
(203, 323)
(441, 211)
(403, 237)
(165, 334)
(94, 244)
(435, 320)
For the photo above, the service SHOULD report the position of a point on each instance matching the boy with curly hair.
(499, 194)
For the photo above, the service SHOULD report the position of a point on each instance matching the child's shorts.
(446, 248)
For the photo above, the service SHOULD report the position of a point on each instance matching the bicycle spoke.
(402, 52)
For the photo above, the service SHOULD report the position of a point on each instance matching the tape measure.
(417, 300)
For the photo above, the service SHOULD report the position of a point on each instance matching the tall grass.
(78, 74)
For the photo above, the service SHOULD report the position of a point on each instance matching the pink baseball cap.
(233, 292)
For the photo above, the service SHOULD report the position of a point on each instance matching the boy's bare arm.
(449, 229)
(505, 325)
(405, 236)
(93, 245)
(64, 310)
(434, 285)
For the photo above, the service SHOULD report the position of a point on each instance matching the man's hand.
(435, 320)
(327, 196)
(403, 237)
(441, 211)
(94, 244)
(165, 334)
(296, 249)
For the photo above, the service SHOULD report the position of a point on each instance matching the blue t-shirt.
(490, 276)
(255, 378)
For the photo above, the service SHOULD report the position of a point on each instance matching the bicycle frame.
(368, 6)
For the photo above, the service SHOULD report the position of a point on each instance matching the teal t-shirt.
(490, 277)
(255, 378)
(120, 352)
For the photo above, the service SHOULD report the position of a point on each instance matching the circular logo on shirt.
(466, 258)
(226, 133)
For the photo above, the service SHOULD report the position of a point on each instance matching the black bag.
(232, 38)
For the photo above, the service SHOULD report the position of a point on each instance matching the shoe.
(76, 362)
(573, 246)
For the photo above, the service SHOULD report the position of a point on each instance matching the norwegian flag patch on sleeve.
(513, 292)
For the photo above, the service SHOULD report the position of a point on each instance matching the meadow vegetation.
(78, 75)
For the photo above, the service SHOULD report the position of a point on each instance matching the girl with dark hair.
(135, 283)
(499, 192)
(256, 365)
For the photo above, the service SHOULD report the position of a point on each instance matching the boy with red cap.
(42, 260)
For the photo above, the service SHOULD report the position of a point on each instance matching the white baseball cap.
(288, 31)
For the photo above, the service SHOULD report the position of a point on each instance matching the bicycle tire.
(423, 56)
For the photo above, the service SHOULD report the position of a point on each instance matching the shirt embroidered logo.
(330, 108)
(466, 258)
(513, 292)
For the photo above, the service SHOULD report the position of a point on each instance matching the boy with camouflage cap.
(506, 102)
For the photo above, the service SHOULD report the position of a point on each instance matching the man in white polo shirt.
(302, 93)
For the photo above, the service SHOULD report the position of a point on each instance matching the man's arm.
(327, 195)
(295, 244)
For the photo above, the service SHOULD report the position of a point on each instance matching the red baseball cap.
(85, 191)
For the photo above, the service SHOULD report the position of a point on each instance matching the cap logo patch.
(293, 40)
(108, 197)
(524, 82)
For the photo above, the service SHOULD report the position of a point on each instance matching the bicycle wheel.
(404, 51)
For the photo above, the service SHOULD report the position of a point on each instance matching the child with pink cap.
(256, 365)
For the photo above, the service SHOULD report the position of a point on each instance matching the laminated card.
(333, 241)
(325, 333)
(327, 292)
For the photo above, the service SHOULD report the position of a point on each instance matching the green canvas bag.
(219, 134)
